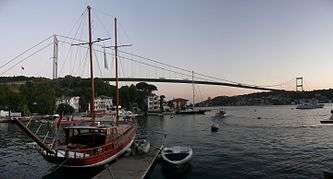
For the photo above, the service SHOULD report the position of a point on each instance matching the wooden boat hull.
(214, 129)
(107, 154)
(327, 122)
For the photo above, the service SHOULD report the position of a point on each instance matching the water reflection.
(70, 173)
(283, 142)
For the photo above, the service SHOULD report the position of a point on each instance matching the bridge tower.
(299, 84)
(55, 57)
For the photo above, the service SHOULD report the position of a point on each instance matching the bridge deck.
(165, 80)
(185, 81)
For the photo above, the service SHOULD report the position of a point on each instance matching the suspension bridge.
(63, 56)
(161, 73)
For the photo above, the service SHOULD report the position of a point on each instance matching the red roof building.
(178, 103)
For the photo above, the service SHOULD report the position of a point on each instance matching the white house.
(72, 101)
(103, 103)
(153, 102)
(4, 113)
(7, 113)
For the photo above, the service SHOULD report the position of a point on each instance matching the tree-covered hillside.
(38, 95)
(270, 98)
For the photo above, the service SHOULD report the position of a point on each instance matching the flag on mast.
(105, 60)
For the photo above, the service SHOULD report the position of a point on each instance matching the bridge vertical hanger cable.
(82, 62)
(73, 60)
(173, 71)
(202, 76)
(182, 75)
(171, 66)
(147, 64)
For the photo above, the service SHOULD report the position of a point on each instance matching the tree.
(40, 97)
(64, 108)
(146, 88)
(124, 97)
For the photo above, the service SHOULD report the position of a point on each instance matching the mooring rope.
(60, 165)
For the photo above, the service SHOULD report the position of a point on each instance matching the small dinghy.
(330, 121)
(220, 113)
(214, 128)
(142, 146)
(177, 155)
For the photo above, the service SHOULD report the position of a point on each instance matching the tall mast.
(92, 100)
(116, 63)
(193, 90)
(55, 57)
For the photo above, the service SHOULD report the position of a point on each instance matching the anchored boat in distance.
(309, 104)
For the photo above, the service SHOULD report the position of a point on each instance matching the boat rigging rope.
(152, 60)
(110, 172)
(81, 23)
(60, 165)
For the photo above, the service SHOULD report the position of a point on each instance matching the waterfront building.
(72, 101)
(153, 102)
(103, 103)
(178, 103)
(4, 113)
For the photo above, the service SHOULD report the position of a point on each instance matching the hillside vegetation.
(270, 98)
(38, 95)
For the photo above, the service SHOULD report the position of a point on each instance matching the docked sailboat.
(192, 110)
(88, 144)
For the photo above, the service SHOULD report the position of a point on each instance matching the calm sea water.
(282, 143)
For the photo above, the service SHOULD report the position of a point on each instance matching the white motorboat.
(220, 113)
(177, 155)
(329, 121)
(214, 128)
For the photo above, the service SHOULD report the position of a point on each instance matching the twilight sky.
(262, 42)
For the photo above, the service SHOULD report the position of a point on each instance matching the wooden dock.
(8, 120)
(131, 167)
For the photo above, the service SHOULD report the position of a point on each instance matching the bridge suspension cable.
(183, 71)
(203, 76)
(26, 58)
(25, 51)
(151, 62)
